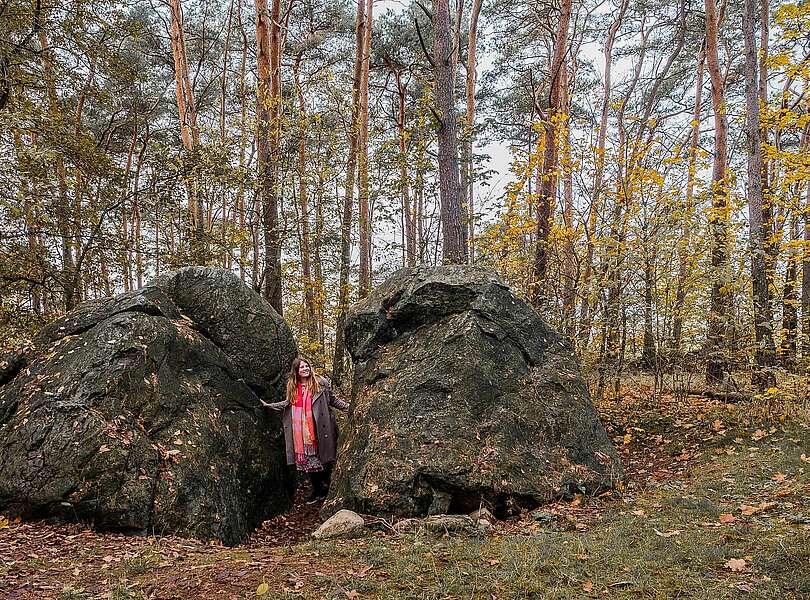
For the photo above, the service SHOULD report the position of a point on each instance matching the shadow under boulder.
(463, 396)
(141, 412)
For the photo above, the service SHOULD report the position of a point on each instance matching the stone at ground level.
(463, 397)
(343, 524)
(141, 412)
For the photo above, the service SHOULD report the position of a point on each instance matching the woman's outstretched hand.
(274, 405)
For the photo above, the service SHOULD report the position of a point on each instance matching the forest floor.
(717, 505)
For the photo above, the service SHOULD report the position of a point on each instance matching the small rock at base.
(343, 524)
(482, 513)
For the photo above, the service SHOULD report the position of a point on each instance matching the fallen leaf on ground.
(588, 586)
(353, 594)
(262, 589)
(752, 510)
(727, 518)
(736, 564)
(779, 477)
(668, 533)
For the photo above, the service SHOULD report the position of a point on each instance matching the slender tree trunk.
(268, 56)
(764, 352)
(685, 257)
(136, 212)
(420, 204)
(806, 279)
(719, 219)
(243, 142)
(223, 78)
(189, 131)
(339, 358)
(71, 295)
(453, 219)
(31, 225)
(364, 223)
(306, 271)
(320, 294)
(593, 211)
(467, 174)
(126, 242)
(570, 275)
(790, 300)
(404, 181)
(547, 192)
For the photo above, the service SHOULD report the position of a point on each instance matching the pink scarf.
(303, 426)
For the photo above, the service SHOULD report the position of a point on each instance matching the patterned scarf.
(304, 437)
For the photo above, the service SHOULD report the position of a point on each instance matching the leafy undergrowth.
(717, 505)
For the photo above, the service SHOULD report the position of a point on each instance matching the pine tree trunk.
(593, 212)
(685, 257)
(306, 272)
(569, 274)
(404, 181)
(720, 303)
(189, 131)
(339, 358)
(806, 280)
(363, 196)
(764, 351)
(790, 301)
(71, 294)
(126, 243)
(243, 141)
(268, 57)
(467, 175)
(453, 219)
(136, 213)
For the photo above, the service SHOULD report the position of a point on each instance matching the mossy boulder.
(141, 412)
(463, 396)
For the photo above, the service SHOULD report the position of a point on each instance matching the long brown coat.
(325, 427)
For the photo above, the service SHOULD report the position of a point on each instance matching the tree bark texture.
(720, 303)
(593, 211)
(764, 351)
(339, 358)
(453, 219)
(547, 193)
(268, 100)
(362, 161)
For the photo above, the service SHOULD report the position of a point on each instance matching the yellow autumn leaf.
(262, 589)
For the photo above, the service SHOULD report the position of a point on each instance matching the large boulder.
(141, 412)
(463, 396)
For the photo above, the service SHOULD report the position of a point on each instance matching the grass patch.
(141, 563)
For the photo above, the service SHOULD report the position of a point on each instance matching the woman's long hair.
(292, 381)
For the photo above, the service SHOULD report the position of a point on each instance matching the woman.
(309, 426)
